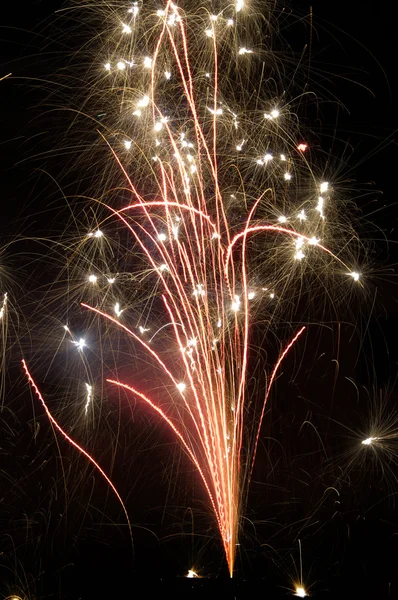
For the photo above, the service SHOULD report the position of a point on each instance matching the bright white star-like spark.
(313, 241)
(181, 386)
(117, 310)
(355, 275)
(134, 10)
(80, 344)
(235, 304)
(369, 441)
(143, 102)
(274, 114)
(300, 592)
(199, 291)
(92, 278)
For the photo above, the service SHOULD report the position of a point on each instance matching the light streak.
(73, 443)
(89, 389)
(3, 306)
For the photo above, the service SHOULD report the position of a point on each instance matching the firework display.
(212, 227)
(211, 162)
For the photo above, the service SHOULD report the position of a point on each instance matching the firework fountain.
(226, 219)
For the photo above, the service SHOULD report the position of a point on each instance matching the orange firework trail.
(195, 245)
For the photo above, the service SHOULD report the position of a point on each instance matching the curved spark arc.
(55, 423)
(267, 393)
(177, 433)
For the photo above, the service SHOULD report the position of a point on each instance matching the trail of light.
(211, 447)
(3, 305)
(192, 209)
(153, 353)
(276, 229)
(75, 444)
(271, 381)
(176, 431)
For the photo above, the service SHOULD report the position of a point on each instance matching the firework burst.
(224, 219)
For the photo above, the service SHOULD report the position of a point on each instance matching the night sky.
(62, 533)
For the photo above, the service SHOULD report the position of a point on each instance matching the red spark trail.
(75, 444)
